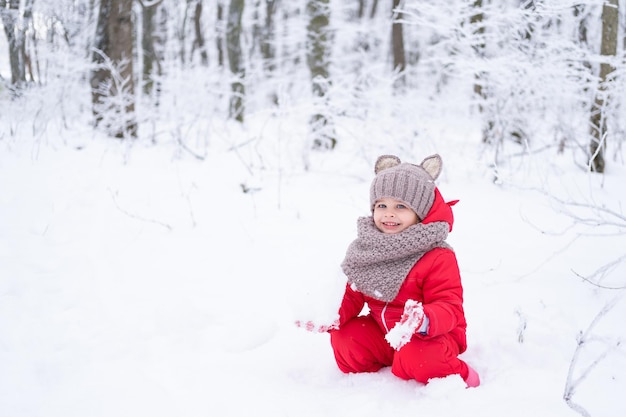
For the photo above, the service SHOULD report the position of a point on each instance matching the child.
(401, 267)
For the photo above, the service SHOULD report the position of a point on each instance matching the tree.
(318, 60)
(219, 33)
(265, 33)
(112, 85)
(235, 59)
(264, 40)
(15, 30)
(598, 121)
(397, 43)
(479, 45)
(198, 42)
(151, 36)
(361, 9)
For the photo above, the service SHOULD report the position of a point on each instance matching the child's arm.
(443, 294)
(351, 305)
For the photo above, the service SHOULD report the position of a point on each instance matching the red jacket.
(434, 280)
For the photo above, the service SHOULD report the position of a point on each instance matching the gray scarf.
(377, 263)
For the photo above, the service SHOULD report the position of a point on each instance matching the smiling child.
(402, 269)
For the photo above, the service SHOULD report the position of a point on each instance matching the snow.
(144, 281)
(411, 320)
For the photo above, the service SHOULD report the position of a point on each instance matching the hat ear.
(386, 161)
(432, 165)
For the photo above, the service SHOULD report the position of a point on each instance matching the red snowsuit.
(359, 344)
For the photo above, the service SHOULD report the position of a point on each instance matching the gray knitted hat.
(412, 184)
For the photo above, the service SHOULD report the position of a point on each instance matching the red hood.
(441, 211)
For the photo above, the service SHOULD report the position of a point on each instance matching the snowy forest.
(542, 76)
(127, 127)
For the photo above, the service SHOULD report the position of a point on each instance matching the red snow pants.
(360, 346)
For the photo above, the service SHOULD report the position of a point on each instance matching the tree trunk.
(112, 85)
(318, 51)
(235, 59)
(150, 36)
(361, 10)
(15, 33)
(397, 42)
(28, 57)
(268, 50)
(582, 16)
(477, 22)
(263, 37)
(198, 43)
(608, 48)
(373, 9)
(257, 28)
(219, 38)
(360, 14)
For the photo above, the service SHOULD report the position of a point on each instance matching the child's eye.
(401, 206)
(382, 206)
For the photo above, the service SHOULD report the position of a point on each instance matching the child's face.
(393, 216)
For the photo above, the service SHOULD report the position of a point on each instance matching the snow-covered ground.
(145, 282)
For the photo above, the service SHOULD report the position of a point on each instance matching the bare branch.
(602, 272)
(136, 217)
(571, 383)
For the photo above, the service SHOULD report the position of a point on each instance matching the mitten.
(411, 320)
(309, 326)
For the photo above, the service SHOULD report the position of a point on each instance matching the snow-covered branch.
(584, 338)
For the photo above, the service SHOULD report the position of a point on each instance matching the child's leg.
(425, 359)
(360, 346)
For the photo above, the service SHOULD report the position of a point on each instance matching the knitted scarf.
(377, 263)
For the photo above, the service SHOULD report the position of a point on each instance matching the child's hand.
(309, 326)
(411, 320)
